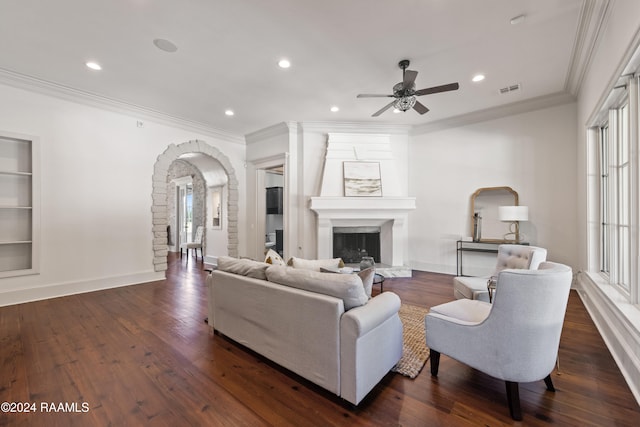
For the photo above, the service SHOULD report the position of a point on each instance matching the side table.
(378, 279)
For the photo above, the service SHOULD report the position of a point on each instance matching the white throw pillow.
(243, 267)
(367, 276)
(272, 257)
(315, 264)
(347, 287)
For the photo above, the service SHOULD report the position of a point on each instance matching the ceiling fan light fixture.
(405, 103)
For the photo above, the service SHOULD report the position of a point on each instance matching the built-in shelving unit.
(19, 210)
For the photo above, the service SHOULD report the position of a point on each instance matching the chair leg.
(435, 361)
(513, 398)
(549, 383)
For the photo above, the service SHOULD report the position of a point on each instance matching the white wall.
(534, 153)
(97, 166)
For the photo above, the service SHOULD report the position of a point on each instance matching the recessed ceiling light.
(517, 19)
(229, 112)
(396, 111)
(335, 109)
(284, 63)
(165, 45)
(93, 65)
(478, 78)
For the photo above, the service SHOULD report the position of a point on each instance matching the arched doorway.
(159, 213)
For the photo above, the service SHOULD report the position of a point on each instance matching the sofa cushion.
(274, 258)
(315, 264)
(243, 267)
(471, 287)
(347, 287)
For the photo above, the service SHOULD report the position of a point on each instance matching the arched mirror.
(484, 204)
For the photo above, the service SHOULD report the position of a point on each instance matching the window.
(615, 197)
(605, 232)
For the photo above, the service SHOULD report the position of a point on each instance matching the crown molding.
(590, 22)
(278, 129)
(357, 127)
(284, 128)
(629, 65)
(34, 84)
(520, 107)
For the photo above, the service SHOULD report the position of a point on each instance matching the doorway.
(272, 225)
(184, 214)
(201, 155)
(274, 212)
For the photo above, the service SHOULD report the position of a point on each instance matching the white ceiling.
(228, 52)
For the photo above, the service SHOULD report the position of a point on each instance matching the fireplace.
(376, 224)
(388, 214)
(352, 243)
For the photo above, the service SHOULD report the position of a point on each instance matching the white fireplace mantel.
(370, 206)
(389, 213)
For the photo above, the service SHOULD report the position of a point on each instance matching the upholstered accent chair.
(195, 245)
(516, 338)
(509, 256)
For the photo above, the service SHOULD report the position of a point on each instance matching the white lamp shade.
(513, 213)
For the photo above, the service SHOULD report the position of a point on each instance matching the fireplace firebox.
(352, 243)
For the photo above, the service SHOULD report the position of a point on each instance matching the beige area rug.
(414, 350)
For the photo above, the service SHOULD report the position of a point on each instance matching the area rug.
(414, 349)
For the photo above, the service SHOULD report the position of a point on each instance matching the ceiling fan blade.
(409, 79)
(373, 95)
(383, 109)
(420, 108)
(437, 89)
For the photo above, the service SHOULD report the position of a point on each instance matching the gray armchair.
(516, 338)
(509, 256)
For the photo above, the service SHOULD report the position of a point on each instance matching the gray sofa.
(315, 324)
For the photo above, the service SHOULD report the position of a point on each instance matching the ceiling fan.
(405, 92)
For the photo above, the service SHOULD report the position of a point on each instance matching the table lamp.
(513, 214)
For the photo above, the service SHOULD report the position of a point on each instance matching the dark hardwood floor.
(142, 355)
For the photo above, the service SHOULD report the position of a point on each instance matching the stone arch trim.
(159, 195)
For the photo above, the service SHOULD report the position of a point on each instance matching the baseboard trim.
(19, 296)
(616, 321)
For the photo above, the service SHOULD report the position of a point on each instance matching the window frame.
(618, 237)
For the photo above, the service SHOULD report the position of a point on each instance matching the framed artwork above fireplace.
(362, 179)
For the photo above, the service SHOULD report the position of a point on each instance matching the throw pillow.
(243, 267)
(315, 264)
(367, 276)
(272, 257)
(347, 287)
